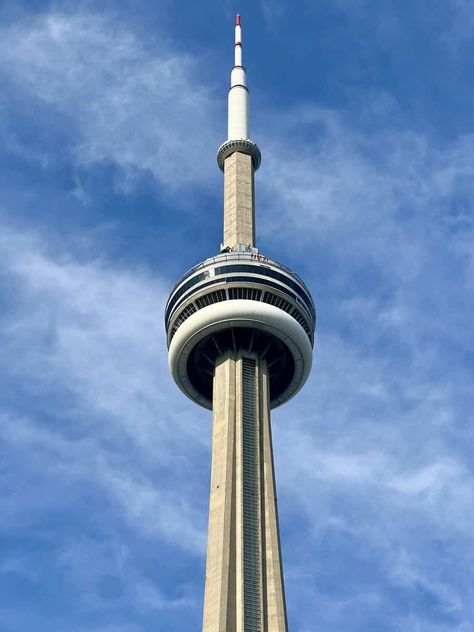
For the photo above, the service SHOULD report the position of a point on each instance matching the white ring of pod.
(240, 313)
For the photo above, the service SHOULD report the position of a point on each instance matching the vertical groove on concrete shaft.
(275, 604)
(251, 500)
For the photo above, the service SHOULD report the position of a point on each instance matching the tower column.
(239, 200)
(240, 331)
(219, 606)
(244, 582)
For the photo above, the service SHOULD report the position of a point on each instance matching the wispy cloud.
(373, 458)
(461, 30)
(134, 103)
(96, 334)
(379, 465)
(90, 411)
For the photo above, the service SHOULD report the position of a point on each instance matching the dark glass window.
(245, 279)
(255, 269)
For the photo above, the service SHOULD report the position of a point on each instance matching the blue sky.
(111, 114)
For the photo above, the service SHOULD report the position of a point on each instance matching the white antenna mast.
(238, 123)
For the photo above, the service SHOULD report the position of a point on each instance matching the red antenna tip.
(237, 20)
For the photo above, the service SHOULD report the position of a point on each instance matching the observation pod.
(240, 300)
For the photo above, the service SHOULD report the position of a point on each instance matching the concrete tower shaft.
(244, 578)
(239, 201)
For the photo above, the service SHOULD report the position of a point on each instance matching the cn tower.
(240, 331)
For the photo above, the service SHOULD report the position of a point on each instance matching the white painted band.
(240, 313)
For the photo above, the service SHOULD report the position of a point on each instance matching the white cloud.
(372, 451)
(138, 104)
(374, 447)
(461, 30)
(86, 343)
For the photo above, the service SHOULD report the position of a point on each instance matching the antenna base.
(244, 146)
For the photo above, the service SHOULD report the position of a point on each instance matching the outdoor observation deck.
(240, 300)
